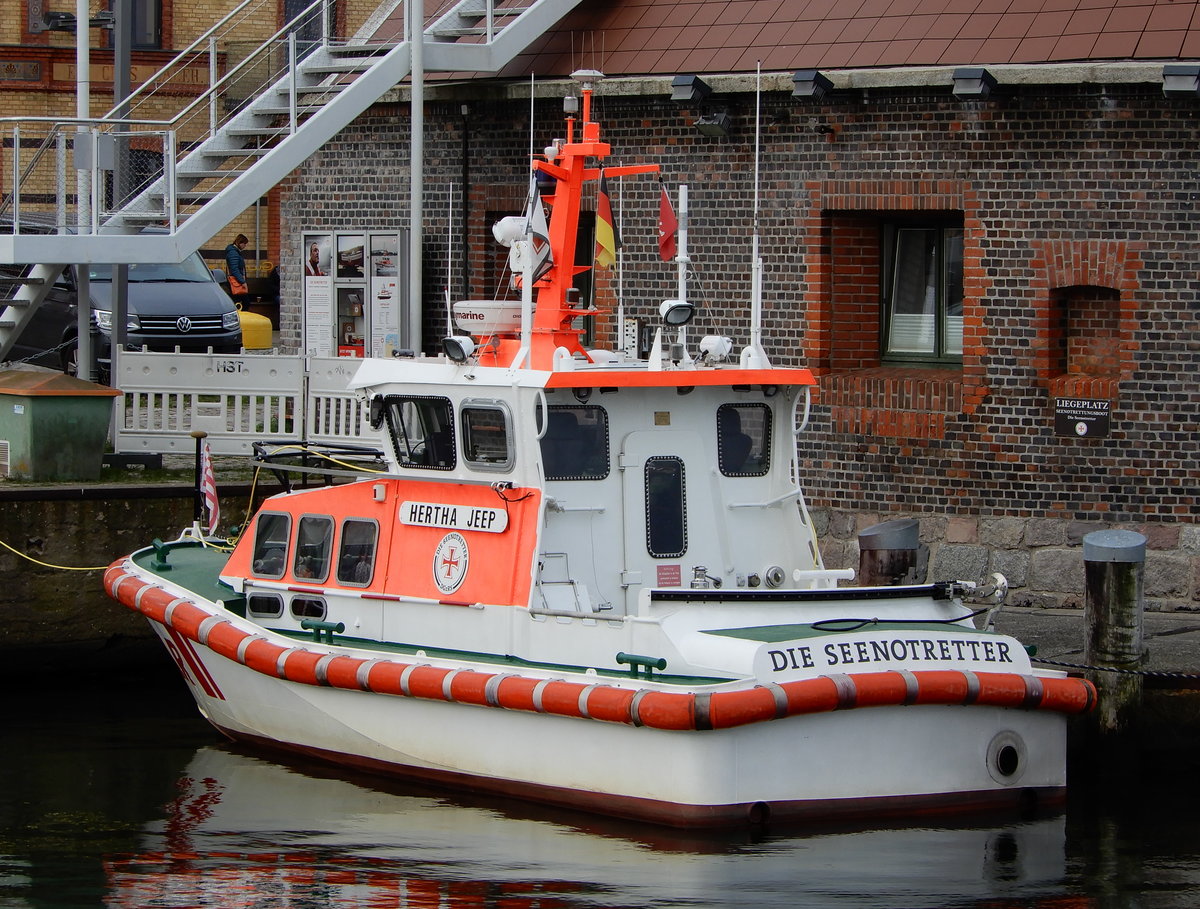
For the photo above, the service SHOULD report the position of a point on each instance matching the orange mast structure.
(567, 163)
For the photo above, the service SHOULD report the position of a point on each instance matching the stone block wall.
(1041, 558)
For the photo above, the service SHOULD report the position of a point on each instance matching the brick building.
(956, 269)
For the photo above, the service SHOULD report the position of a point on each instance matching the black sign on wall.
(1081, 418)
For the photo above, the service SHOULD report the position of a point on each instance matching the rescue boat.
(589, 578)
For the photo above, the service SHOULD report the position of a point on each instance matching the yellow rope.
(49, 564)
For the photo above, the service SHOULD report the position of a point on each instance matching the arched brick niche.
(1085, 319)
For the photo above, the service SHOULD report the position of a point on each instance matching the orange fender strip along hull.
(606, 703)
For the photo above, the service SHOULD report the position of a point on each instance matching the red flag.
(208, 488)
(606, 231)
(667, 225)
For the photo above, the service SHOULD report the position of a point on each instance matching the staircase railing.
(200, 123)
(182, 105)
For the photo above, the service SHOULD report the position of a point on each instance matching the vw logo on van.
(183, 323)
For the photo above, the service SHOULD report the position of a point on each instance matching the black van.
(169, 306)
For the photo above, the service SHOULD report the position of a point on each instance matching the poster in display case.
(318, 295)
(350, 257)
(385, 294)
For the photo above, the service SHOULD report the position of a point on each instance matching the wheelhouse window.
(666, 508)
(575, 445)
(422, 431)
(744, 439)
(356, 555)
(314, 541)
(270, 545)
(486, 437)
(923, 292)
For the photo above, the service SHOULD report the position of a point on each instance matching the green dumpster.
(53, 426)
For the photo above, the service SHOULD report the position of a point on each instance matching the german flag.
(607, 240)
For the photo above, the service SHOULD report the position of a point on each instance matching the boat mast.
(552, 341)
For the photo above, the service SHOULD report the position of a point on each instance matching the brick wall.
(1080, 279)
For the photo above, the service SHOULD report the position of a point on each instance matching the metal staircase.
(251, 127)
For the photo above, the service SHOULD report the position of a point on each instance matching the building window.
(923, 292)
(147, 24)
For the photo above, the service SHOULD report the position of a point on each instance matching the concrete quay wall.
(56, 616)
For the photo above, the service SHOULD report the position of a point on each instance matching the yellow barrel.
(256, 330)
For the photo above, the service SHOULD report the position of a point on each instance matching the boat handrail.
(556, 505)
(807, 408)
(608, 615)
(326, 589)
(543, 408)
(794, 492)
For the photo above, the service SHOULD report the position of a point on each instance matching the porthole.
(1007, 757)
(264, 605)
(308, 607)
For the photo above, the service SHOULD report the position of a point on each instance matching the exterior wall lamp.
(1181, 80)
(714, 124)
(973, 83)
(811, 84)
(689, 88)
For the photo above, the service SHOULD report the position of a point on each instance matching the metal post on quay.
(1114, 568)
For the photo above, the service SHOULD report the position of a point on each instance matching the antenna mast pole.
(754, 356)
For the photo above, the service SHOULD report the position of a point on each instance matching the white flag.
(537, 227)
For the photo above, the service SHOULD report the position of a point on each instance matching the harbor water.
(116, 793)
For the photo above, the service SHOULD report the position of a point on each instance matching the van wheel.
(70, 360)
(70, 365)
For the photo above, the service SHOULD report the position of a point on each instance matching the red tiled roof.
(661, 37)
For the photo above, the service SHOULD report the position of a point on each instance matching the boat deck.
(191, 565)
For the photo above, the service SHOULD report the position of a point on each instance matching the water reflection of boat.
(242, 828)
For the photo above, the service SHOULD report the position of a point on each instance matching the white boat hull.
(890, 760)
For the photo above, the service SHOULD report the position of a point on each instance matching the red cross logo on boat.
(450, 561)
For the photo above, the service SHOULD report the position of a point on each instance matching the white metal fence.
(237, 400)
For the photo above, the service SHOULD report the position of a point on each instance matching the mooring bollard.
(1114, 565)
(887, 552)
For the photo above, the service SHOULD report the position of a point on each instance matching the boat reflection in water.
(244, 832)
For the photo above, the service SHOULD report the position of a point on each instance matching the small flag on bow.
(208, 488)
